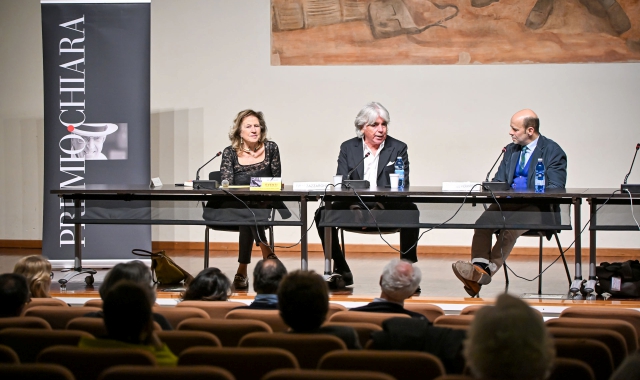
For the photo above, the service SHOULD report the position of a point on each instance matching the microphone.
(495, 185)
(357, 184)
(355, 167)
(206, 184)
(494, 164)
(627, 187)
(198, 172)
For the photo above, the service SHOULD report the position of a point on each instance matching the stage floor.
(439, 284)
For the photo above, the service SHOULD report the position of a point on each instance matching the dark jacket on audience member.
(411, 334)
(388, 307)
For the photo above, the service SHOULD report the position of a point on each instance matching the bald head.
(525, 127)
(267, 276)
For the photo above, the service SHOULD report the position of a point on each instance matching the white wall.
(210, 59)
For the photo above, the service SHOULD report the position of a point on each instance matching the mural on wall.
(396, 32)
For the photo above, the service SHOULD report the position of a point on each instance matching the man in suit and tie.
(518, 169)
(372, 124)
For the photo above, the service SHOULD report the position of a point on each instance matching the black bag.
(619, 279)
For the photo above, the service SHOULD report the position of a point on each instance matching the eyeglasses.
(376, 125)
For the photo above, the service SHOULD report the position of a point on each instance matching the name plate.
(311, 186)
(265, 184)
(461, 186)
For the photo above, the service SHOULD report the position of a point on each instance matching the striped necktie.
(523, 157)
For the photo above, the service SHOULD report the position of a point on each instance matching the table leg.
(304, 248)
(327, 244)
(77, 252)
(577, 223)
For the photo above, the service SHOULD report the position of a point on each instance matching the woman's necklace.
(252, 153)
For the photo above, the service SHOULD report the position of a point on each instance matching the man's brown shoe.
(471, 276)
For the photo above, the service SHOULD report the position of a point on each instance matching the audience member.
(629, 369)
(303, 301)
(266, 278)
(129, 322)
(14, 294)
(209, 285)
(37, 271)
(399, 281)
(509, 341)
(134, 271)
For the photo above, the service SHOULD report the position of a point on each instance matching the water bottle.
(539, 176)
(399, 166)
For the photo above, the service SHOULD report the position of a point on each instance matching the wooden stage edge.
(179, 248)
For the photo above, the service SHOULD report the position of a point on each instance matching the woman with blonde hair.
(250, 154)
(37, 271)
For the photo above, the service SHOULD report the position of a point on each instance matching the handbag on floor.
(619, 279)
(164, 271)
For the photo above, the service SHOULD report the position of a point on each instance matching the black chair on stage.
(217, 176)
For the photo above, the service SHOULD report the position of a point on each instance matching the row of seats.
(264, 363)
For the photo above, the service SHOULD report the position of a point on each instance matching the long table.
(441, 206)
(175, 205)
(172, 205)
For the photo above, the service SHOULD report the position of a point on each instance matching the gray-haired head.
(368, 115)
(400, 279)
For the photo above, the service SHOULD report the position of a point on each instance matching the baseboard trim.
(17, 245)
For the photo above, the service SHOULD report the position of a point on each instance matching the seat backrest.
(403, 365)
(334, 308)
(625, 328)
(471, 309)
(363, 329)
(34, 371)
(571, 369)
(127, 372)
(58, 317)
(130, 372)
(87, 364)
(430, 311)
(307, 348)
(215, 309)
(245, 363)
(592, 352)
(454, 377)
(613, 340)
(8, 355)
(180, 340)
(228, 331)
(24, 322)
(94, 326)
(175, 315)
(629, 315)
(44, 302)
(28, 343)
(449, 320)
(316, 374)
(364, 316)
(95, 302)
(270, 317)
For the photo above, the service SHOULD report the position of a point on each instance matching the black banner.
(96, 116)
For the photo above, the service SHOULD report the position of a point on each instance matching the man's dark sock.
(483, 266)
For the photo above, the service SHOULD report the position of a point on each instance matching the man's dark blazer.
(553, 157)
(351, 153)
(388, 307)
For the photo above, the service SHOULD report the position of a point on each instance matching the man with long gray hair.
(371, 156)
(399, 281)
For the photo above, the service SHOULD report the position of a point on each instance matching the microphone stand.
(206, 184)
(495, 185)
(357, 183)
(631, 188)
